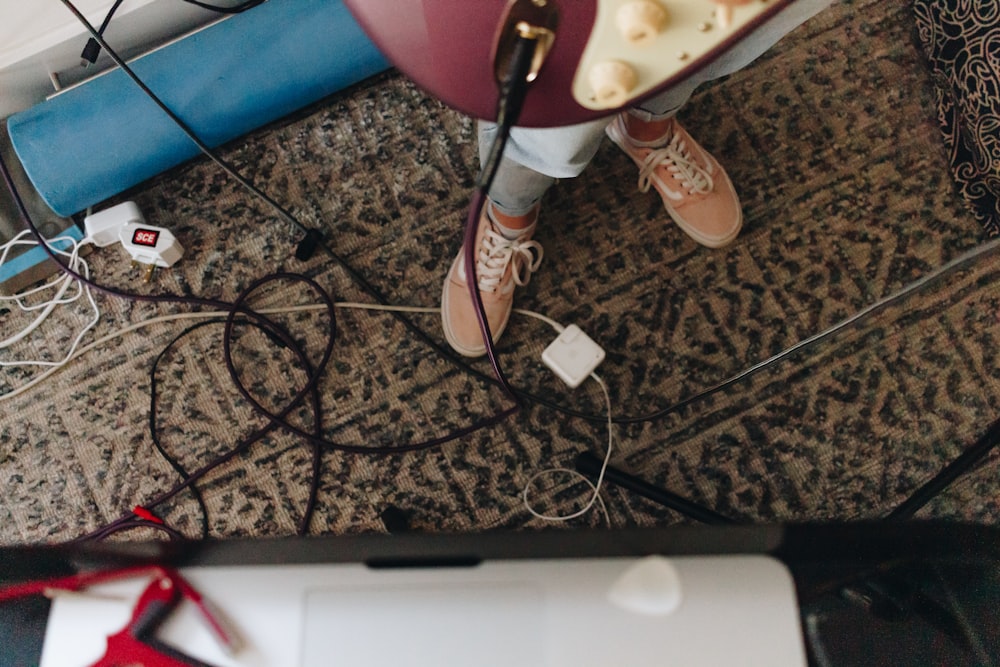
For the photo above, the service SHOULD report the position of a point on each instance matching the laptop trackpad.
(435, 625)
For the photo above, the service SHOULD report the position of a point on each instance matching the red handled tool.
(136, 643)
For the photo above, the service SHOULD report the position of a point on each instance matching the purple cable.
(472, 283)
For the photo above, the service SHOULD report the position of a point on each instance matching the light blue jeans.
(535, 157)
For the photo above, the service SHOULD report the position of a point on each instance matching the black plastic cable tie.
(307, 246)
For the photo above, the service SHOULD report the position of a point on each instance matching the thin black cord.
(221, 9)
(311, 234)
(238, 307)
(155, 432)
(275, 420)
(965, 462)
(93, 47)
(109, 15)
(510, 107)
(510, 100)
(202, 146)
(189, 479)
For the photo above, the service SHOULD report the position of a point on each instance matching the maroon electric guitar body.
(601, 55)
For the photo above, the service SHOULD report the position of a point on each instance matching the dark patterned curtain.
(961, 38)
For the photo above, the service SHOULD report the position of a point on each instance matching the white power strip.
(147, 245)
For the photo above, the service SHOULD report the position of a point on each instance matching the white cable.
(61, 283)
(538, 316)
(199, 316)
(20, 296)
(21, 240)
(47, 306)
(375, 306)
(596, 488)
(47, 309)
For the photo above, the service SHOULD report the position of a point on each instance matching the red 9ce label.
(145, 237)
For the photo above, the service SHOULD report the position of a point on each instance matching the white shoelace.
(497, 252)
(678, 160)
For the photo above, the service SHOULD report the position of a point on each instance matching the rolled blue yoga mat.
(105, 136)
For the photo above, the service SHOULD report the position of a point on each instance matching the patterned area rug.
(832, 141)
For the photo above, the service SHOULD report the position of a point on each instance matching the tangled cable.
(239, 311)
(144, 515)
(60, 284)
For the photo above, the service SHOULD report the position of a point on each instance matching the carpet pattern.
(831, 140)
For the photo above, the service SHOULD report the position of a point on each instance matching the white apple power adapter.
(573, 356)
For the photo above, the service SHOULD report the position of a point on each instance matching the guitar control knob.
(640, 21)
(612, 81)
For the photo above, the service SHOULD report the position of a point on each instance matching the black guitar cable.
(514, 84)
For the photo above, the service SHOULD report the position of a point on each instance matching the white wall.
(41, 40)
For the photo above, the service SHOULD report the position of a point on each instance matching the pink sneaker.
(501, 265)
(696, 191)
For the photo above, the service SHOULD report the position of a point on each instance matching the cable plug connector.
(307, 246)
(90, 52)
(149, 246)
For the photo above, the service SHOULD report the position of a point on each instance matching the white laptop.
(604, 612)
